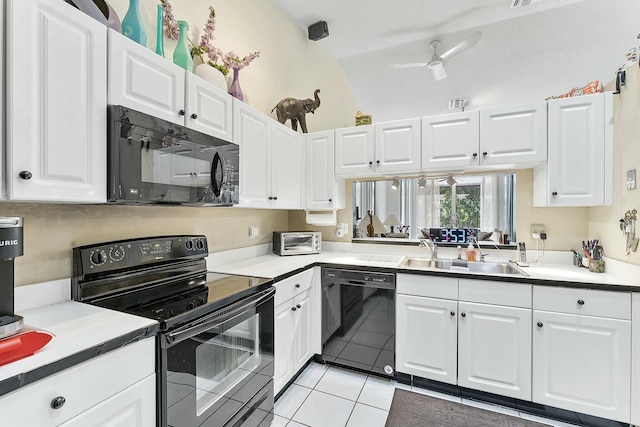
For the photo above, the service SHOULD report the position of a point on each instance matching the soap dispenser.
(471, 253)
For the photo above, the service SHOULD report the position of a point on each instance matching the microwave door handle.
(216, 164)
(216, 319)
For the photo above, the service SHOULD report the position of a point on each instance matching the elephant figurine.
(295, 110)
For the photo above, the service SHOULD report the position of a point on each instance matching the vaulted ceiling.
(524, 54)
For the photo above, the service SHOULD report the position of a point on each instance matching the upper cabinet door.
(355, 151)
(286, 160)
(321, 181)
(580, 151)
(251, 133)
(146, 82)
(208, 109)
(397, 146)
(513, 135)
(56, 92)
(450, 140)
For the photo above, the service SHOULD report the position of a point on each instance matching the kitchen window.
(483, 202)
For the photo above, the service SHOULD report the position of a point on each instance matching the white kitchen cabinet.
(450, 141)
(513, 135)
(146, 82)
(91, 392)
(579, 170)
(324, 190)
(297, 321)
(582, 352)
(494, 348)
(56, 92)
(270, 160)
(635, 358)
(426, 313)
(389, 147)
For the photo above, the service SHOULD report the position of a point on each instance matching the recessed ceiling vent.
(520, 3)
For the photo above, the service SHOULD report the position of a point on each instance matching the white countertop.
(273, 266)
(76, 327)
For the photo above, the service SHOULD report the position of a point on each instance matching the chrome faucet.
(472, 241)
(430, 244)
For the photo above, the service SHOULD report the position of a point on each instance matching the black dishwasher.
(358, 320)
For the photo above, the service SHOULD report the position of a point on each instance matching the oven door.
(218, 370)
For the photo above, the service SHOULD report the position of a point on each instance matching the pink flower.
(231, 60)
(171, 28)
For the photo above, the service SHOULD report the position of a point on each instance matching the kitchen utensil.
(22, 344)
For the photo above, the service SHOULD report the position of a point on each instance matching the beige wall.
(604, 221)
(290, 65)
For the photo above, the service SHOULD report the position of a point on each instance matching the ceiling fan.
(436, 63)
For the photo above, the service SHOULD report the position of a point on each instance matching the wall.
(604, 221)
(290, 65)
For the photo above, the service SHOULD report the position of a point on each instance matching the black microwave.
(151, 160)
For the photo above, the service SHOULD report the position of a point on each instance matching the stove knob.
(116, 253)
(189, 245)
(191, 306)
(201, 300)
(98, 258)
(199, 244)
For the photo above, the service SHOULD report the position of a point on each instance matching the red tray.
(21, 345)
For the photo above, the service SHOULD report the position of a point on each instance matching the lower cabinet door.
(494, 349)
(426, 337)
(132, 407)
(283, 325)
(302, 333)
(582, 364)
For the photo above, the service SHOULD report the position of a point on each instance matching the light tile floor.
(332, 397)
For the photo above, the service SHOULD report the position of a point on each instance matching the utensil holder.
(596, 265)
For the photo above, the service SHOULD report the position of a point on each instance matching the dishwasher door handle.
(374, 285)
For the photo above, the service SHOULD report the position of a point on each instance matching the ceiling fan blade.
(463, 45)
(411, 65)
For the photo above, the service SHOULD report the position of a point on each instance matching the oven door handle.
(218, 317)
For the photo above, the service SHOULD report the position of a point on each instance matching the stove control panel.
(104, 257)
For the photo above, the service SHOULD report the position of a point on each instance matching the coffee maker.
(11, 246)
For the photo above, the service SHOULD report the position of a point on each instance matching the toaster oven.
(296, 243)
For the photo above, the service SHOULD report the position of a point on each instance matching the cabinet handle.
(554, 194)
(484, 153)
(181, 112)
(270, 198)
(475, 154)
(330, 200)
(463, 314)
(275, 197)
(293, 309)
(580, 302)
(297, 285)
(299, 306)
(540, 325)
(58, 402)
(453, 313)
(377, 162)
(25, 175)
(194, 116)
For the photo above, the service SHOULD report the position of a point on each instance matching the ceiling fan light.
(438, 70)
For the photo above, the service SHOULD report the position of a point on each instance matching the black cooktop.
(199, 295)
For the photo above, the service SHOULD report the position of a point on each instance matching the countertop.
(81, 332)
(278, 268)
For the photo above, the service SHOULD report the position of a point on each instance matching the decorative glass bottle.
(132, 26)
(234, 89)
(182, 55)
(159, 32)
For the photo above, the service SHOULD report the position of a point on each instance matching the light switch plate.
(631, 179)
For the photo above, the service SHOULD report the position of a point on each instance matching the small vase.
(210, 74)
(234, 89)
(132, 26)
(159, 33)
(182, 56)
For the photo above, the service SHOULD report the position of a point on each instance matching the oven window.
(225, 360)
(298, 243)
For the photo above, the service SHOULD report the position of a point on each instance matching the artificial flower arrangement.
(229, 60)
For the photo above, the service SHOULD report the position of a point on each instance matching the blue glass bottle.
(132, 26)
(160, 32)
(182, 54)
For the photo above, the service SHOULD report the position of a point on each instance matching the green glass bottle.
(132, 25)
(182, 55)
(159, 32)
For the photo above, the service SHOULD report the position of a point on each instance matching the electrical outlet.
(536, 230)
(253, 232)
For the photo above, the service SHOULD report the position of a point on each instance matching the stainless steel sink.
(455, 265)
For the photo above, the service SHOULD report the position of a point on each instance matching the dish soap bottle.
(471, 253)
